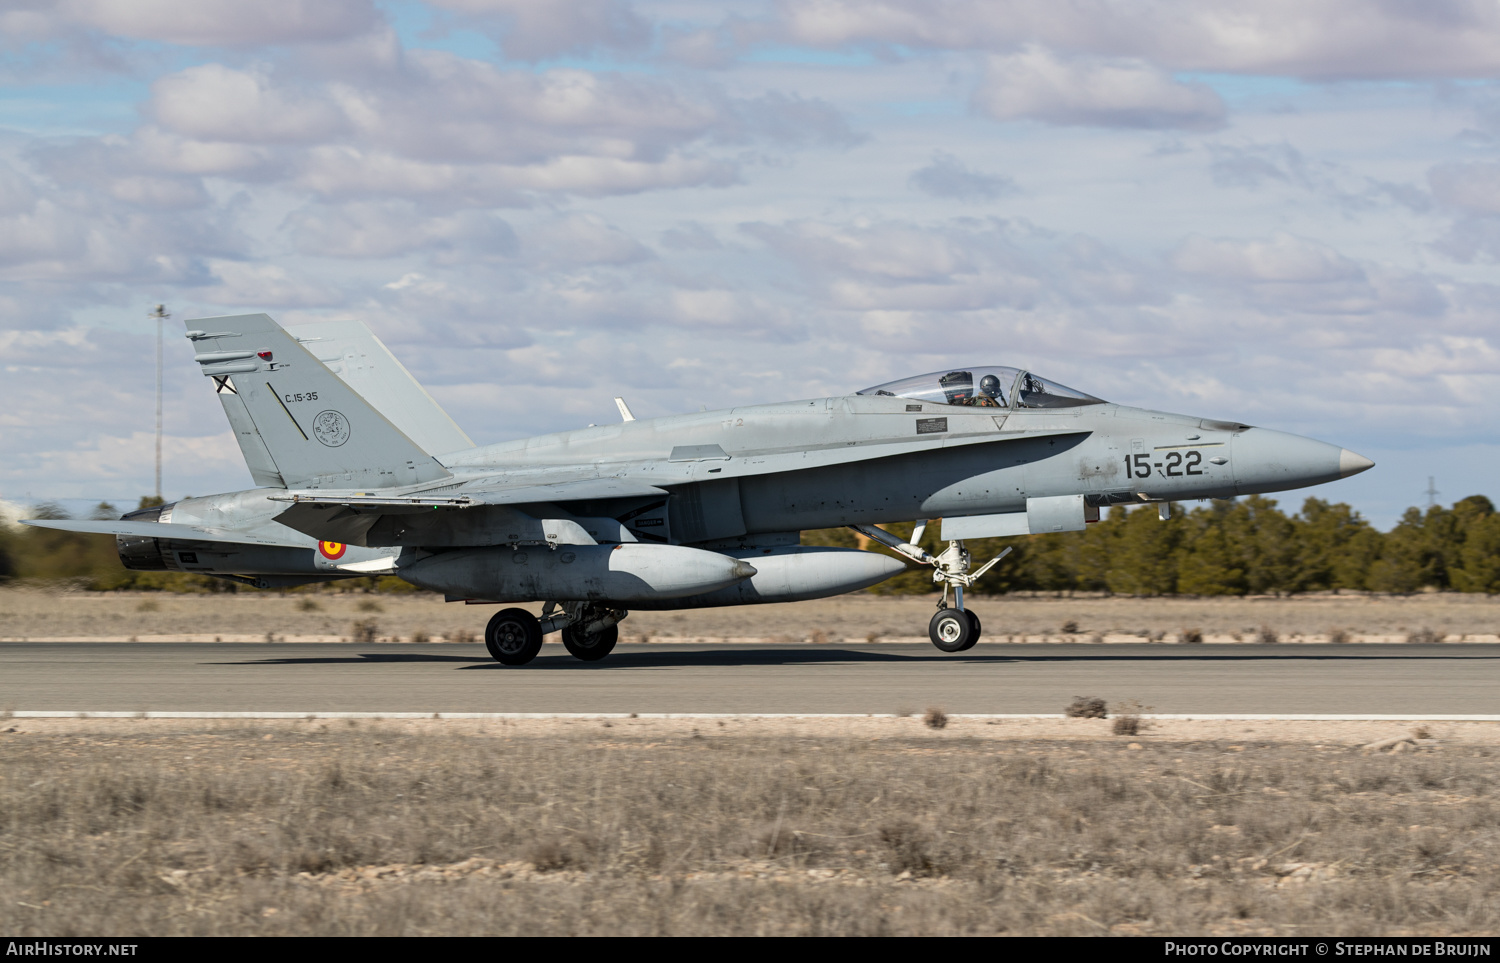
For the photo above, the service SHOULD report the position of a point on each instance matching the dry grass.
(1070, 627)
(1191, 637)
(364, 630)
(1265, 635)
(935, 718)
(387, 831)
(1425, 637)
(1339, 636)
(308, 605)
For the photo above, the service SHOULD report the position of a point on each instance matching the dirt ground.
(878, 826)
(30, 614)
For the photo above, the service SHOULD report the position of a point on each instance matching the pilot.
(989, 393)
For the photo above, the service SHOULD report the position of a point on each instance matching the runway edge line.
(1185, 717)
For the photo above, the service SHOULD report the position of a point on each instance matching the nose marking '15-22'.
(1175, 465)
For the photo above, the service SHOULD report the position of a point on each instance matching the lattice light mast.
(160, 314)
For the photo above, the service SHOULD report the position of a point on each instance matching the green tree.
(1208, 562)
(1142, 560)
(1478, 564)
(1334, 547)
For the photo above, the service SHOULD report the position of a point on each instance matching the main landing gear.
(589, 631)
(951, 629)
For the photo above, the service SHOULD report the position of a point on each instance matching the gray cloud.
(947, 176)
(540, 31)
(1037, 84)
(213, 23)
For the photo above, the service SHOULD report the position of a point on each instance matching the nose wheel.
(954, 630)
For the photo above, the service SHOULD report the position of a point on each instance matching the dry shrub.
(1128, 721)
(364, 630)
(308, 605)
(1339, 636)
(148, 605)
(818, 637)
(549, 853)
(1070, 627)
(872, 636)
(1087, 707)
(1425, 637)
(464, 636)
(369, 605)
(935, 718)
(1192, 637)
(1421, 732)
(1097, 638)
(420, 636)
(1265, 635)
(1155, 635)
(913, 848)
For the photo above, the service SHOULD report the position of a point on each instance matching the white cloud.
(215, 23)
(211, 102)
(387, 229)
(1337, 39)
(1036, 84)
(1471, 187)
(1281, 258)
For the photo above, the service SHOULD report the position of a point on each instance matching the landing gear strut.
(592, 631)
(952, 629)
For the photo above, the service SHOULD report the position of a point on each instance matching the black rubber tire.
(513, 637)
(978, 630)
(590, 648)
(951, 630)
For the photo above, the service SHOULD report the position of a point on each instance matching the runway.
(668, 678)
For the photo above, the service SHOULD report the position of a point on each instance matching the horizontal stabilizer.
(186, 533)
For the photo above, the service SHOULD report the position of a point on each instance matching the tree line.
(1246, 546)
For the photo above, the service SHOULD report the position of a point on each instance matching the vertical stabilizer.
(295, 420)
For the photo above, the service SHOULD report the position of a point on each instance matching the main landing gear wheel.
(590, 648)
(514, 637)
(952, 630)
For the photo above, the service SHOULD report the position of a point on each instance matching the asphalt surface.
(656, 677)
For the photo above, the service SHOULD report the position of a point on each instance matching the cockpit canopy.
(985, 387)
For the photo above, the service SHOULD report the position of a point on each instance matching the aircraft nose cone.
(743, 569)
(1352, 464)
(1278, 461)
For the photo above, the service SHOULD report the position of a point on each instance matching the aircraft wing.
(187, 533)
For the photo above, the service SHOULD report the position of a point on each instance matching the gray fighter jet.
(359, 472)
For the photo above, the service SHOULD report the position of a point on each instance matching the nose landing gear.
(952, 629)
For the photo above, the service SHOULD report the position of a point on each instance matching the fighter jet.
(359, 472)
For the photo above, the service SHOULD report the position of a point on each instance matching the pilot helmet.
(990, 385)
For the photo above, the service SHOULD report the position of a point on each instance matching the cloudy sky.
(1285, 213)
